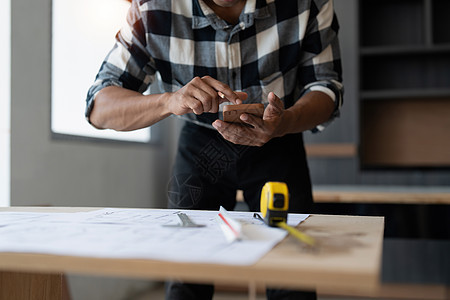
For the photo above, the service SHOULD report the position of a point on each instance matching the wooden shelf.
(405, 63)
(382, 195)
(431, 71)
(391, 94)
(396, 291)
(331, 150)
(406, 133)
(404, 50)
(381, 24)
(396, 62)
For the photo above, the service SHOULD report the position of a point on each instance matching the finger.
(252, 120)
(210, 102)
(275, 107)
(249, 139)
(220, 125)
(242, 97)
(205, 94)
(195, 105)
(275, 101)
(228, 93)
(238, 133)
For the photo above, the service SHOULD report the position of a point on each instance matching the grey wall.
(62, 172)
(45, 171)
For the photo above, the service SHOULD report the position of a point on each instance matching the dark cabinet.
(395, 123)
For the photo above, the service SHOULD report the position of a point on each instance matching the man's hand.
(260, 131)
(122, 109)
(202, 95)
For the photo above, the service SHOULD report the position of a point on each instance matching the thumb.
(275, 107)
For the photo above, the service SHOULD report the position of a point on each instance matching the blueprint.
(140, 234)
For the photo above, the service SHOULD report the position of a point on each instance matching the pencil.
(235, 232)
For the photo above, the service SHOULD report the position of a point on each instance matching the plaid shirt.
(289, 47)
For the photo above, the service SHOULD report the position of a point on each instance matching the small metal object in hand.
(185, 222)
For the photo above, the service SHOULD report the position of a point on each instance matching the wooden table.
(347, 257)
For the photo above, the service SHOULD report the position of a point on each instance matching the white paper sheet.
(138, 233)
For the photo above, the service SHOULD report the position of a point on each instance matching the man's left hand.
(256, 131)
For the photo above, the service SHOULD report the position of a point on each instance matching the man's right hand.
(124, 110)
(201, 95)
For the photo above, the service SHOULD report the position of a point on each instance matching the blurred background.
(388, 154)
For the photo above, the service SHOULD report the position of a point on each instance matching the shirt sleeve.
(320, 67)
(128, 64)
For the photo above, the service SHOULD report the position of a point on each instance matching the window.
(5, 101)
(83, 33)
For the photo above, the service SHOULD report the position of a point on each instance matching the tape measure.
(274, 209)
(274, 202)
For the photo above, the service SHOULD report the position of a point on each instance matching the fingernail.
(221, 95)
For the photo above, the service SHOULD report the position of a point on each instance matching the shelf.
(441, 11)
(381, 194)
(381, 23)
(335, 150)
(405, 50)
(404, 93)
(405, 133)
(405, 72)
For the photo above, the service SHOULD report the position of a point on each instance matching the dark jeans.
(208, 170)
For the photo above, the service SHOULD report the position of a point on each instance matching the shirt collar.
(203, 15)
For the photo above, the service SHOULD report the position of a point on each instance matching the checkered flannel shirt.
(289, 47)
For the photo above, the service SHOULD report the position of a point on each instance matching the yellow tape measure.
(274, 202)
(274, 209)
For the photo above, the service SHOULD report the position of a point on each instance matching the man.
(207, 53)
